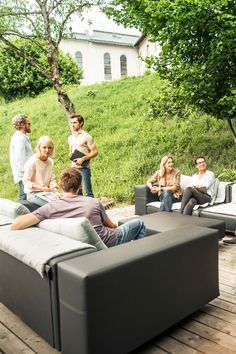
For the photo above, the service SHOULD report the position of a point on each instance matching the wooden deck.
(210, 330)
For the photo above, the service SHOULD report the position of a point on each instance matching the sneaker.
(230, 242)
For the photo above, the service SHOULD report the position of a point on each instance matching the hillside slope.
(130, 144)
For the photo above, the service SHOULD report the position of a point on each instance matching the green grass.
(130, 145)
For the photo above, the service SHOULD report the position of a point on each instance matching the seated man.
(72, 205)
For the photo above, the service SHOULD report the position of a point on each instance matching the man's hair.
(199, 157)
(70, 180)
(80, 119)
(19, 121)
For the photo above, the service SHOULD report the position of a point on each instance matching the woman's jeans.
(86, 179)
(167, 199)
(192, 197)
(35, 197)
(131, 230)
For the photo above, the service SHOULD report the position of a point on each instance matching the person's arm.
(104, 217)
(24, 221)
(18, 158)
(108, 223)
(93, 152)
(153, 179)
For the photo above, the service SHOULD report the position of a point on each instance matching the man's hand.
(79, 161)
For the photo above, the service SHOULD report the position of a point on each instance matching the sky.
(99, 21)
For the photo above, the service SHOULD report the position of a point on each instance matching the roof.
(97, 36)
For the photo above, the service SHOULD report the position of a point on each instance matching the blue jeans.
(34, 197)
(167, 199)
(22, 195)
(86, 179)
(131, 230)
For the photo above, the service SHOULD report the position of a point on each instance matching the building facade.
(105, 56)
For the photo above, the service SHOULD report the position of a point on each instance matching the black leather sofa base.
(114, 300)
(230, 220)
(33, 298)
(165, 221)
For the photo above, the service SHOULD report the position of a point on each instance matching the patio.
(212, 329)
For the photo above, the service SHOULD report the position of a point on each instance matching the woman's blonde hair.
(43, 140)
(164, 160)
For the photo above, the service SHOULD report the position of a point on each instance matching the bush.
(18, 78)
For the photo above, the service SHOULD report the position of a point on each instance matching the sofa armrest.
(143, 196)
(231, 193)
(114, 300)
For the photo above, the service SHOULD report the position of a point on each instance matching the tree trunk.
(63, 98)
(231, 128)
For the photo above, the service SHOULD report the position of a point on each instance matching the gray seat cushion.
(165, 221)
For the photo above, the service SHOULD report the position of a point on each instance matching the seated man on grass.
(72, 205)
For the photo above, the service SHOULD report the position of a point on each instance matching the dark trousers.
(192, 197)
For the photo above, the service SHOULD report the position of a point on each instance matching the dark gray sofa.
(112, 300)
(225, 198)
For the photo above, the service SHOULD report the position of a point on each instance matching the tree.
(42, 20)
(198, 47)
(18, 78)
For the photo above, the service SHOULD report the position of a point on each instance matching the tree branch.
(231, 128)
(25, 56)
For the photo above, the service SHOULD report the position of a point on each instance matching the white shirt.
(20, 152)
(207, 180)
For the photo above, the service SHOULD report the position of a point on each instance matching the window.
(107, 66)
(123, 66)
(79, 59)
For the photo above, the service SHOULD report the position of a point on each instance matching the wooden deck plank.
(172, 345)
(220, 313)
(211, 334)
(11, 344)
(14, 324)
(197, 342)
(215, 322)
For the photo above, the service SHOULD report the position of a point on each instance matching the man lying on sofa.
(72, 205)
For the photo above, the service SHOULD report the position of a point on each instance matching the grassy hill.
(130, 144)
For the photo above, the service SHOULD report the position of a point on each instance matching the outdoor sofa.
(82, 297)
(222, 207)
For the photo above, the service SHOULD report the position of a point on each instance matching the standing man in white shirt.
(82, 141)
(20, 150)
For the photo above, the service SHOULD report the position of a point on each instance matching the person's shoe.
(230, 242)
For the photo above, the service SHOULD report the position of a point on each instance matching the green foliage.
(228, 175)
(130, 145)
(92, 93)
(19, 78)
(198, 46)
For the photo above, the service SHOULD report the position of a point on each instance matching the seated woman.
(202, 187)
(39, 179)
(166, 184)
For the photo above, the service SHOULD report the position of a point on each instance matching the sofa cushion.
(77, 228)
(185, 181)
(12, 209)
(36, 247)
(221, 193)
(215, 191)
